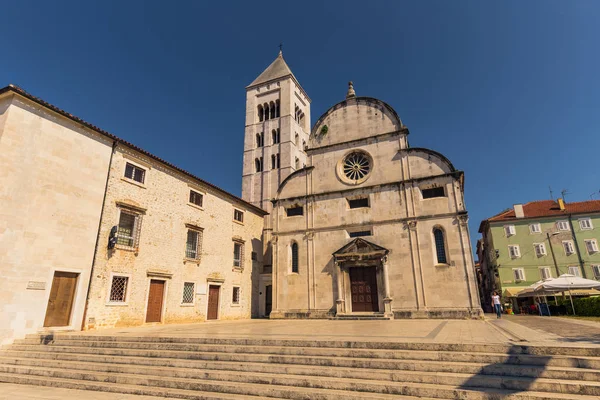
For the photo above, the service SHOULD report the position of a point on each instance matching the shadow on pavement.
(517, 373)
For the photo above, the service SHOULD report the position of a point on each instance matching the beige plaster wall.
(52, 180)
(164, 197)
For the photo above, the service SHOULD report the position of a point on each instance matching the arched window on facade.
(258, 140)
(277, 109)
(278, 164)
(257, 164)
(272, 108)
(297, 163)
(266, 107)
(303, 145)
(274, 136)
(261, 113)
(295, 258)
(273, 161)
(440, 245)
(278, 135)
(297, 140)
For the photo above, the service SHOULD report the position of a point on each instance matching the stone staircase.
(213, 368)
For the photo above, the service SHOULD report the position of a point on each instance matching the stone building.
(276, 134)
(368, 224)
(181, 249)
(52, 179)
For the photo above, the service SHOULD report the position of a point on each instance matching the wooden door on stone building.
(363, 282)
(213, 302)
(155, 301)
(62, 296)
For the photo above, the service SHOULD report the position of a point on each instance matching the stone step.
(472, 348)
(268, 389)
(344, 380)
(123, 389)
(525, 371)
(356, 358)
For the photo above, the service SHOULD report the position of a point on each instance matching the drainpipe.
(576, 246)
(87, 296)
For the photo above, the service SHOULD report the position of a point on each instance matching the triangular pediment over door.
(360, 249)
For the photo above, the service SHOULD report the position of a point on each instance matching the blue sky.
(508, 91)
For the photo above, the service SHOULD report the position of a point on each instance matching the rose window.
(356, 166)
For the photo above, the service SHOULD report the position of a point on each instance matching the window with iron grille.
(193, 245)
(238, 215)
(433, 192)
(188, 293)
(440, 246)
(295, 268)
(238, 255)
(358, 203)
(134, 172)
(128, 232)
(196, 198)
(118, 289)
(596, 270)
(254, 256)
(235, 299)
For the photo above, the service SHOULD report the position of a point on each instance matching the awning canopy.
(567, 282)
(511, 291)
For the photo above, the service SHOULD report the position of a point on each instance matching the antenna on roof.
(593, 194)
(551, 193)
(563, 193)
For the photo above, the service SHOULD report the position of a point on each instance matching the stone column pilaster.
(339, 303)
(387, 300)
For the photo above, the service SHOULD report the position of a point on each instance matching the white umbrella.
(567, 282)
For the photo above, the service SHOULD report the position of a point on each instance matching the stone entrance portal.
(363, 284)
(362, 279)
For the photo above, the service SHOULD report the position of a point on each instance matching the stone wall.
(52, 179)
(398, 218)
(163, 201)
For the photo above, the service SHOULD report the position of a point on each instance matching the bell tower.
(277, 130)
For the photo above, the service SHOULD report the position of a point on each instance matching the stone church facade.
(367, 225)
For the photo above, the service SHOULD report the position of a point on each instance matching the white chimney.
(519, 210)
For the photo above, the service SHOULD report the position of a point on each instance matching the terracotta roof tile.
(20, 91)
(549, 208)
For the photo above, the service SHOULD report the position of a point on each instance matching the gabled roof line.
(18, 90)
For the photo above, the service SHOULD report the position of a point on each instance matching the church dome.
(354, 118)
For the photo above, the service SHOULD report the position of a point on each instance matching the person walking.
(497, 305)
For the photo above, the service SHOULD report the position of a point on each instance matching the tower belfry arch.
(277, 111)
